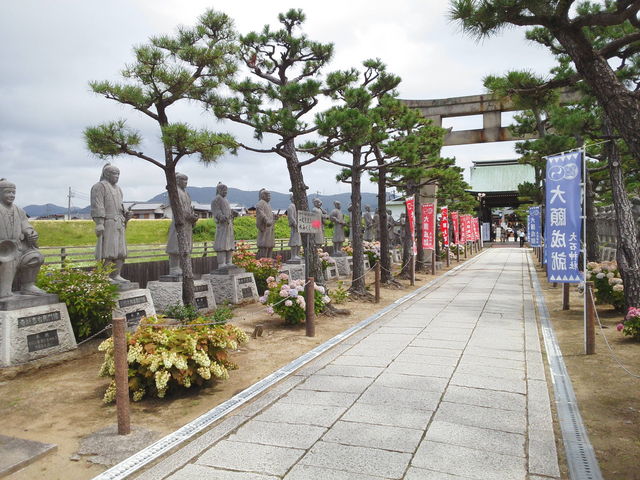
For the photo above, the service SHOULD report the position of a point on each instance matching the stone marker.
(166, 294)
(33, 323)
(133, 305)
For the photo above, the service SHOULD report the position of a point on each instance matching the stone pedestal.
(164, 294)
(34, 331)
(331, 272)
(367, 265)
(239, 287)
(396, 256)
(342, 264)
(133, 305)
(294, 270)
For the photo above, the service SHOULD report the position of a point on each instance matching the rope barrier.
(612, 354)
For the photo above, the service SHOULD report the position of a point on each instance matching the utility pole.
(69, 204)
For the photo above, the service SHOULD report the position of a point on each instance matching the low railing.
(85, 254)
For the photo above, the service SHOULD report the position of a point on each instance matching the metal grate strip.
(581, 458)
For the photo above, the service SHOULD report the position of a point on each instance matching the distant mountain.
(204, 195)
(279, 201)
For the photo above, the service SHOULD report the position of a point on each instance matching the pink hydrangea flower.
(619, 327)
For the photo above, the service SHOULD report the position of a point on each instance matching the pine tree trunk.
(593, 252)
(385, 259)
(621, 105)
(184, 248)
(406, 250)
(301, 201)
(628, 250)
(357, 276)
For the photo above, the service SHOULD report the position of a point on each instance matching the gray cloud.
(51, 50)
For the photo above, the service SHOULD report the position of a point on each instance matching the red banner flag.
(411, 214)
(444, 226)
(470, 236)
(456, 230)
(428, 226)
(476, 228)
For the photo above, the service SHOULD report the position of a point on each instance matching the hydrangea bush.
(88, 294)
(630, 326)
(372, 251)
(348, 249)
(261, 268)
(607, 282)
(164, 358)
(286, 298)
(325, 259)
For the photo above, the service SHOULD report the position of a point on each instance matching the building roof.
(499, 176)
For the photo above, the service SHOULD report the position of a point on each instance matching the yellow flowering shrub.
(165, 358)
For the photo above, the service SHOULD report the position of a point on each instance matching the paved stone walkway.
(448, 386)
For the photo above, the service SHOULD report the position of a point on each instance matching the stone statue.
(391, 223)
(369, 226)
(635, 211)
(265, 223)
(294, 238)
(376, 225)
(110, 217)
(20, 259)
(190, 217)
(225, 241)
(337, 219)
(317, 208)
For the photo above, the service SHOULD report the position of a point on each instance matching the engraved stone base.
(295, 261)
(295, 271)
(232, 270)
(367, 265)
(133, 305)
(342, 264)
(236, 288)
(169, 278)
(34, 332)
(165, 294)
(396, 256)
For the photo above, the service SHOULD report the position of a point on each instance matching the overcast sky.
(52, 49)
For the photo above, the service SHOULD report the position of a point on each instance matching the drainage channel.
(167, 443)
(581, 458)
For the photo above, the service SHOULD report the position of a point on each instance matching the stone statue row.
(20, 259)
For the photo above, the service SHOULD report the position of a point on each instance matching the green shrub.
(340, 294)
(188, 313)
(607, 283)
(287, 299)
(162, 359)
(88, 294)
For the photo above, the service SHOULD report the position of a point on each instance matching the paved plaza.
(450, 385)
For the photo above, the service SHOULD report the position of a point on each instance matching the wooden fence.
(146, 263)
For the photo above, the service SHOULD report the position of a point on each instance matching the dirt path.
(59, 401)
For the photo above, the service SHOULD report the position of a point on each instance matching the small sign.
(201, 288)
(247, 292)
(245, 280)
(42, 340)
(128, 302)
(202, 302)
(38, 319)
(135, 316)
(309, 222)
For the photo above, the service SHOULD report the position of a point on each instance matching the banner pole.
(584, 244)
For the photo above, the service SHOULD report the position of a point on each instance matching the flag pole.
(584, 241)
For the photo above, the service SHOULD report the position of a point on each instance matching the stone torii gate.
(490, 106)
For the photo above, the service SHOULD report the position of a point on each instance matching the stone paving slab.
(449, 385)
(368, 461)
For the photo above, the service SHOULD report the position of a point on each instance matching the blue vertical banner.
(563, 223)
(534, 229)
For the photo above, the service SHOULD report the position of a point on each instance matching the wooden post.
(377, 281)
(458, 252)
(204, 250)
(122, 376)
(590, 324)
(565, 296)
(433, 261)
(63, 255)
(309, 323)
(465, 250)
(448, 261)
